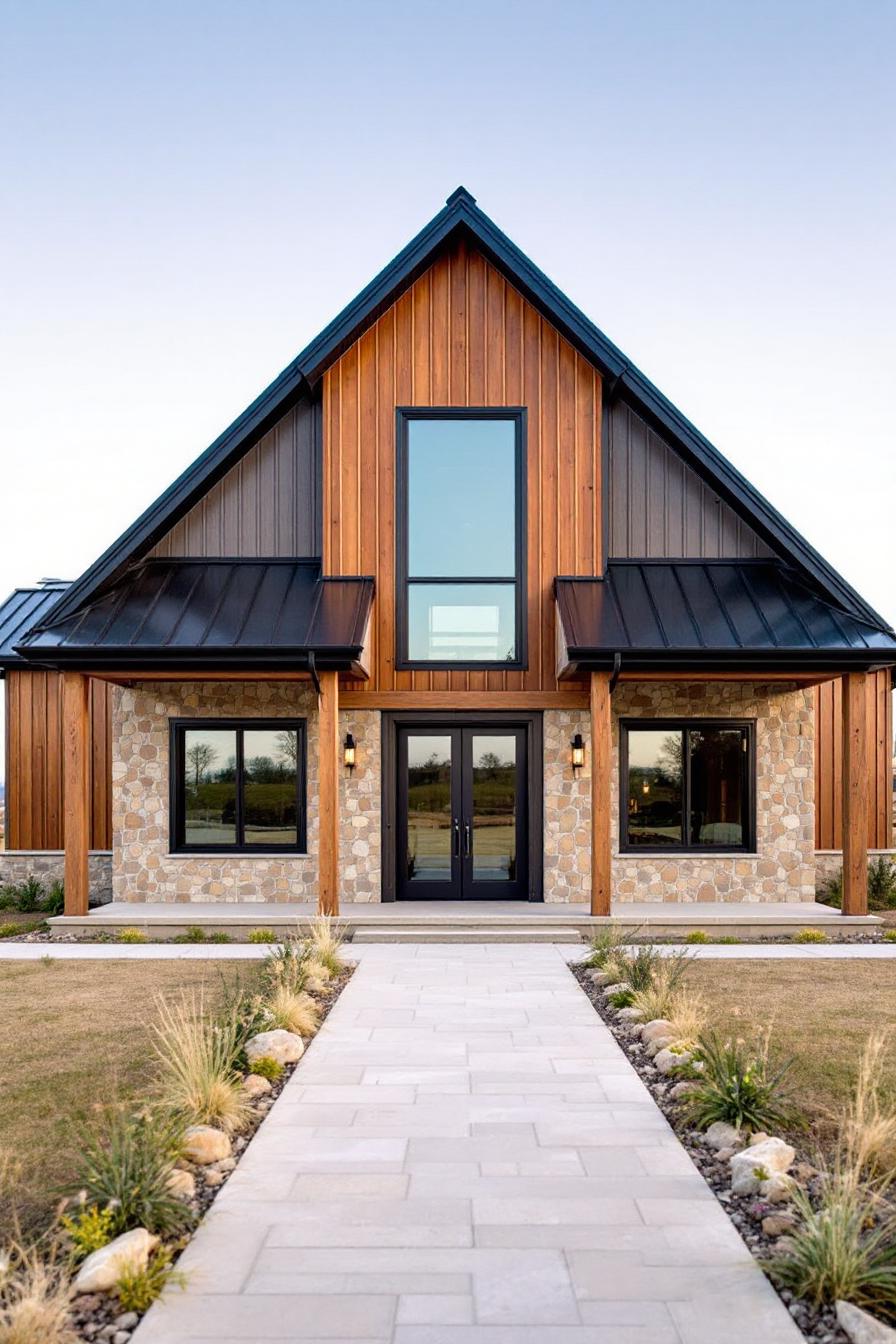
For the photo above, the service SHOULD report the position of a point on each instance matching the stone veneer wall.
(49, 866)
(567, 809)
(783, 865)
(143, 867)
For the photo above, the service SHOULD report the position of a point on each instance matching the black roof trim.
(462, 215)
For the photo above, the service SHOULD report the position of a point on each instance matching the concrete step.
(460, 934)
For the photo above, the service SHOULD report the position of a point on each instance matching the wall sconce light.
(577, 747)
(348, 752)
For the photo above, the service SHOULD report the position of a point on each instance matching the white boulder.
(102, 1269)
(657, 1044)
(721, 1135)
(668, 1059)
(778, 1188)
(255, 1086)
(629, 1014)
(861, 1327)
(283, 1046)
(600, 978)
(658, 1027)
(204, 1144)
(759, 1163)
(182, 1184)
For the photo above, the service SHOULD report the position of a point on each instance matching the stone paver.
(465, 1156)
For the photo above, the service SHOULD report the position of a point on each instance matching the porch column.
(855, 794)
(76, 790)
(601, 767)
(328, 794)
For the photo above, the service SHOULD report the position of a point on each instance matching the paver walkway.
(465, 1156)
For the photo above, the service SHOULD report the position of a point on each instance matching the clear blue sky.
(191, 190)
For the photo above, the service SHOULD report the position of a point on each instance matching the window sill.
(218, 854)
(686, 854)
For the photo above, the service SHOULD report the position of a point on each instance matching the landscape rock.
(861, 1327)
(657, 1027)
(101, 1270)
(618, 987)
(756, 1164)
(255, 1086)
(657, 1044)
(182, 1185)
(777, 1224)
(722, 1135)
(629, 1014)
(759, 1137)
(283, 1046)
(204, 1144)
(213, 1178)
(682, 1089)
(226, 1164)
(778, 1188)
(600, 978)
(666, 1059)
(726, 1154)
(129, 1320)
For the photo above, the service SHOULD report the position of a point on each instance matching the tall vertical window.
(687, 786)
(460, 567)
(238, 786)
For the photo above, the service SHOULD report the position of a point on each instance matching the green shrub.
(131, 935)
(219, 936)
(262, 936)
(137, 1289)
(266, 1067)
(605, 943)
(738, 1085)
(697, 936)
(30, 895)
(7, 930)
(728, 938)
(843, 1248)
(830, 892)
(55, 902)
(193, 934)
(882, 884)
(890, 936)
(810, 936)
(641, 968)
(623, 998)
(8, 898)
(125, 1166)
(89, 1229)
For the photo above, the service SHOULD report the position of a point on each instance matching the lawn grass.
(74, 1035)
(15, 921)
(819, 1013)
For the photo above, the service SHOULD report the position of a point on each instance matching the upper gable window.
(460, 538)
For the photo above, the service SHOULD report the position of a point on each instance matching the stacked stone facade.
(782, 866)
(144, 869)
(48, 865)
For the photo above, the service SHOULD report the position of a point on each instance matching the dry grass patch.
(819, 1014)
(74, 1034)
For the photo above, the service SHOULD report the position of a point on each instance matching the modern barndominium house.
(461, 607)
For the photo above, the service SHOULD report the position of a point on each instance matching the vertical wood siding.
(658, 507)
(34, 792)
(267, 504)
(828, 772)
(462, 336)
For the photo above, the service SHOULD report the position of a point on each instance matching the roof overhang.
(754, 617)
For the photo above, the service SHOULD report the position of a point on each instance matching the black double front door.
(462, 813)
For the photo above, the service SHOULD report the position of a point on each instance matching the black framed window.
(238, 786)
(687, 785)
(461, 538)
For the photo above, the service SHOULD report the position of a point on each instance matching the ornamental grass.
(197, 1057)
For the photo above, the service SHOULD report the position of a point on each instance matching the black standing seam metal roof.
(239, 612)
(23, 609)
(696, 613)
(461, 216)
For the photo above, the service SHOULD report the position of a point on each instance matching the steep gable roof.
(462, 217)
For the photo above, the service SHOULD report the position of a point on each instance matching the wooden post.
(855, 794)
(601, 767)
(76, 790)
(328, 794)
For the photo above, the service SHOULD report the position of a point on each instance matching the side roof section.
(22, 610)
(461, 215)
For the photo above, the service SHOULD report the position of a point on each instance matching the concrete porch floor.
(492, 921)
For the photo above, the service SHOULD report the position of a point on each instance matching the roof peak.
(460, 196)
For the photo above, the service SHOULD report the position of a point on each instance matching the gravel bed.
(746, 1212)
(97, 1317)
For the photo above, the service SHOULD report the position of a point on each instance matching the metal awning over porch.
(213, 614)
(703, 616)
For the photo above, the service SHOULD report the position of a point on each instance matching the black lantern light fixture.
(348, 752)
(577, 747)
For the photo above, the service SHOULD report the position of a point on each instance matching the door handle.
(456, 829)
(468, 839)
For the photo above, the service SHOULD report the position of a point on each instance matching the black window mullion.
(686, 787)
(240, 832)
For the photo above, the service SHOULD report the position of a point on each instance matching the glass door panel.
(493, 810)
(430, 818)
